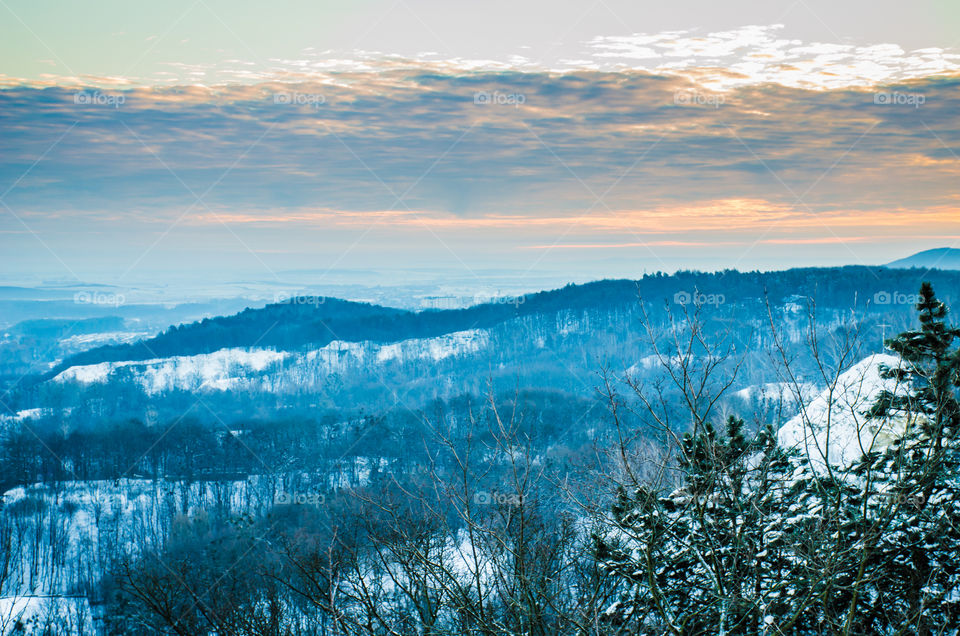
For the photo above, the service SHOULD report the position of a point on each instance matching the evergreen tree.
(757, 540)
(931, 368)
(705, 558)
(911, 536)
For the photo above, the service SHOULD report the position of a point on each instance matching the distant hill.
(939, 258)
(61, 328)
(313, 322)
(8, 292)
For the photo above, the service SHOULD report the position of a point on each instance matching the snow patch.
(88, 340)
(26, 414)
(41, 615)
(778, 391)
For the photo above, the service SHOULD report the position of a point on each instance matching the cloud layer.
(692, 155)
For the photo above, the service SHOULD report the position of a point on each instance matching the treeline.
(199, 444)
(316, 321)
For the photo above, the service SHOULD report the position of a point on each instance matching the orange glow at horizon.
(724, 222)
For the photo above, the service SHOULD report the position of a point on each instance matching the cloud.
(756, 55)
(718, 60)
(513, 157)
(481, 143)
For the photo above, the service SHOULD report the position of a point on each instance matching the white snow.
(340, 356)
(436, 349)
(654, 361)
(207, 370)
(832, 428)
(233, 368)
(87, 340)
(26, 414)
(40, 615)
(778, 391)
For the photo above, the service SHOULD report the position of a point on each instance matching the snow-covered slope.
(833, 428)
(208, 370)
(267, 369)
(81, 342)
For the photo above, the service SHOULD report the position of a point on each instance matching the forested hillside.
(317, 321)
(737, 478)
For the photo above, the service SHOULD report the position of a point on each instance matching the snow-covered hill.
(261, 368)
(833, 427)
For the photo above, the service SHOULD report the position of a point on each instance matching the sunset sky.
(605, 139)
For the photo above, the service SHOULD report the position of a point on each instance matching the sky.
(207, 139)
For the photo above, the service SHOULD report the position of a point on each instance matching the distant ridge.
(309, 322)
(938, 258)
